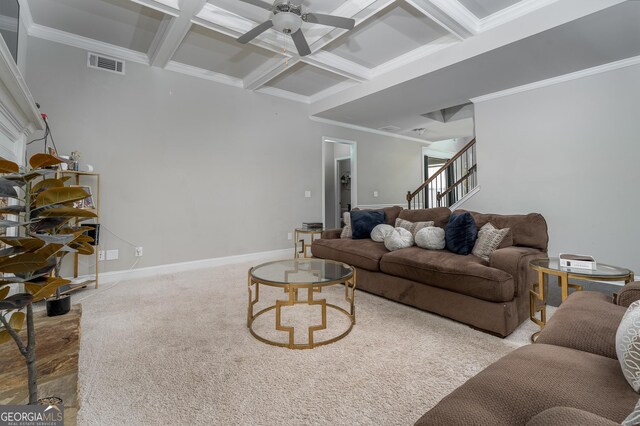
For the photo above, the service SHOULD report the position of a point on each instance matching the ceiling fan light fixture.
(286, 22)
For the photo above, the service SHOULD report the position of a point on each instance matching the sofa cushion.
(528, 230)
(467, 275)
(586, 321)
(412, 227)
(439, 215)
(567, 416)
(532, 379)
(363, 222)
(489, 239)
(364, 254)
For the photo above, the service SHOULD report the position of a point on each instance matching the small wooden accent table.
(551, 266)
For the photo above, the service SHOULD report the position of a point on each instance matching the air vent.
(105, 63)
(389, 128)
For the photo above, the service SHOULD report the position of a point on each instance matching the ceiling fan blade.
(259, 3)
(301, 43)
(255, 32)
(331, 20)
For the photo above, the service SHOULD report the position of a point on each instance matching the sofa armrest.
(514, 260)
(331, 234)
(629, 294)
(568, 416)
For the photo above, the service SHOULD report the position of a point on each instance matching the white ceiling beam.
(337, 65)
(267, 72)
(168, 7)
(450, 15)
(171, 34)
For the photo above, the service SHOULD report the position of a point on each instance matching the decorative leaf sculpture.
(38, 161)
(61, 196)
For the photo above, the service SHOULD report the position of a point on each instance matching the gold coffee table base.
(292, 290)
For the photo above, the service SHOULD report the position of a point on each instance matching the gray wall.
(569, 151)
(192, 169)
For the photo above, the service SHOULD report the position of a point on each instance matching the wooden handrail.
(410, 195)
(441, 195)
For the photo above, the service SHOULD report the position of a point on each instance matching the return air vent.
(105, 63)
(389, 128)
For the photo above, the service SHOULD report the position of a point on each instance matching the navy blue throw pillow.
(461, 233)
(363, 222)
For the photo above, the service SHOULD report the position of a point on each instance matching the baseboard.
(113, 276)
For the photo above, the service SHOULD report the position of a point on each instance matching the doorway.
(431, 163)
(338, 180)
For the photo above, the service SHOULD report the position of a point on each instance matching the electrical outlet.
(307, 194)
(138, 251)
(112, 254)
(375, 194)
(100, 255)
(289, 236)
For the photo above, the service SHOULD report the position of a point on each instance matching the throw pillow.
(346, 231)
(431, 238)
(628, 345)
(398, 239)
(460, 233)
(489, 239)
(633, 418)
(363, 222)
(412, 227)
(381, 231)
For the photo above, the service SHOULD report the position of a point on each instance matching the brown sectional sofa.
(492, 296)
(570, 376)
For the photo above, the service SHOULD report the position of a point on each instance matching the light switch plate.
(112, 254)
(307, 194)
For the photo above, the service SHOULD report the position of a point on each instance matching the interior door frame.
(354, 171)
(338, 187)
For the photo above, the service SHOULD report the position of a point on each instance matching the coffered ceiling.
(390, 43)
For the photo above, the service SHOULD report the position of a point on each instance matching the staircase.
(450, 183)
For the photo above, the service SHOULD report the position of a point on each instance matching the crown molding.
(203, 73)
(63, 37)
(367, 129)
(560, 79)
(284, 94)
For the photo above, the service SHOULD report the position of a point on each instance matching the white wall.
(192, 169)
(569, 151)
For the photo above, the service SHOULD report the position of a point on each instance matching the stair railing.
(450, 183)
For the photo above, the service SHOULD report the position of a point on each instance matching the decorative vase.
(59, 306)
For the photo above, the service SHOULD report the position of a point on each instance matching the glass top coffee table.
(551, 266)
(301, 274)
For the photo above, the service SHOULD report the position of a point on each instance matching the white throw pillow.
(398, 239)
(633, 418)
(380, 232)
(431, 238)
(628, 345)
(346, 231)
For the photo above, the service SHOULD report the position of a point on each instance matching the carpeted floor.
(175, 349)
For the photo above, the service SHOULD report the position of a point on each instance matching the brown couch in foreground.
(570, 376)
(492, 296)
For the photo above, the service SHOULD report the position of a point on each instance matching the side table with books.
(300, 246)
(590, 270)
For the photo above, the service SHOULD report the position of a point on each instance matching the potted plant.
(44, 235)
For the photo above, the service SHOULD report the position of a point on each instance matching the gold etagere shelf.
(78, 178)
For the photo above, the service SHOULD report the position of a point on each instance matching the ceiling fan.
(287, 17)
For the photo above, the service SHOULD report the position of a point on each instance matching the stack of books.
(580, 261)
(312, 225)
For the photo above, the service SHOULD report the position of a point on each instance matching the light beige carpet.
(175, 350)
